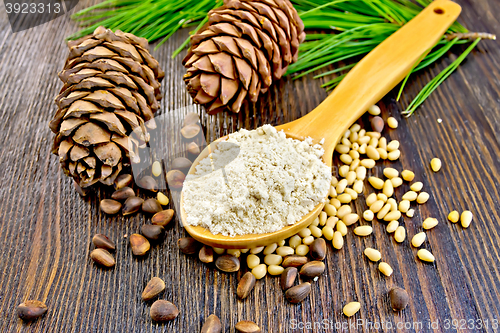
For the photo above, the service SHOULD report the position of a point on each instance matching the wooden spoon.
(372, 78)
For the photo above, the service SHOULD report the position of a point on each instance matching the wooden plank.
(46, 228)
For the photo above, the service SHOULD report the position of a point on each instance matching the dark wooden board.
(46, 228)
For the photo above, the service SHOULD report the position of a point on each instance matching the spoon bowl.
(367, 82)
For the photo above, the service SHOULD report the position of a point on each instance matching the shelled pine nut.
(338, 240)
(374, 110)
(382, 153)
(383, 212)
(410, 212)
(377, 206)
(234, 252)
(435, 164)
(273, 259)
(370, 199)
(394, 155)
(342, 184)
(404, 205)
(361, 172)
(422, 197)
(392, 122)
(253, 261)
(219, 250)
(388, 189)
(368, 215)
(394, 215)
(418, 239)
(393, 145)
(343, 170)
(466, 218)
(368, 163)
(363, 230)
(390, 172)
(430, 223)
(382, 196)
(302, 250)
(315, 231)
(315, 222)
(343, 211)
(328, 233)
(304, 233)
(351, 308)
(392, 226)
(330, 209)
(385, 268)
(453, 216)
(331, 222)
(393, 203)
(396, 181)
(410, 196)
(336, 203)
(407, 175)
(294, 241)
(417, 186)
(350, 219)
(285, 251)
(344, 198)
(270, 248)
(372, 254)
(425, 255)
(342, 228)
(308, 240)
(358, 186)
(352, 193)
(400, 234)
(255, 250)
(259, 271)
(275, 269)
(376, 183)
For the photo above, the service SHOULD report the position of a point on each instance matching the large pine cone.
(111, 88)
(245, 45)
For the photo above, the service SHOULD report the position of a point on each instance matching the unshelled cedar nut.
(151, 206)
(132, 205)
(154, 287)
(246, 284)
(102, 257)
(294, 261)
(317, 249)
(206, 254)
(153, 232)
(123, 193)
(140, 245)
(247, 326)
(175, 179)
(288, 278)
(212, 325)
(312, 269)
(123, 181)
(103, 242)
(110, 206)
(188, 245)
(163, 218)
(162, 310)
(298, 293)
(227, 263)
(399, 298)
(31, 310)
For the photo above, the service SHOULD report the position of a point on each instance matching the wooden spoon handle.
(375, 75)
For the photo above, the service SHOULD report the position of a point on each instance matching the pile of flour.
(256, 182)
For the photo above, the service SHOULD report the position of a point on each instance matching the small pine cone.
(245, 46)
(111, 89)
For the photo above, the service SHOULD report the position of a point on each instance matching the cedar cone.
(111, 89)
(245, 45)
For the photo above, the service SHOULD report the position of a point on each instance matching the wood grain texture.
(46, 228)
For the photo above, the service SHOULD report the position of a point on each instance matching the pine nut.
(253, 261)
(308, 240)
(302, 250)
(383, 212)
(435, 164)
(343, 211)
(245, 250)
(373, 143)
(370, 199)
(394, 215)
(363, 141)
(368, 163)
(330, 209)
(275, 269)
(372, 254)
(372, 153)
(219, 250)
(334, 181)
(341, 186)
(259, 271)
(315, 231)
(410, 196)
(162, 199)
(294, 241)
(358, 186)
(361, 172)
(382, 143)
(377, 206)
(333, 191)
(355, 163)
(376, 135)
(351, 308)
(394, 155)
(327, 232)
(343, 170)
(362, 133)
(344, 198)
(407, 175)
(385, 268)
(410, 212)
(404, 205)
(396, 181)
(422, 197)
(284, 251)
(255, 250)
(332, 221)
(393, 145)
(388, 189)
(316, 220)
(417, 186)
(342, 228)
(273, 259)
(393, 203)
(377, 183)
(374, 110)
(400, 234)
(342, 149)
(304, 233)
(382, 196)
(425, 255)
(392, 122)
(345, 139)
(336, 203)
(466, 218)
(363, 230)
(353, 153)
(430, 223)
(352, 193)
(350, 219)
(383, 153)
(351, 177)
(338, 240)
(453, 216)
(390, 172)
(353, 137)
(234, 252)
(392, 226)
(345, 158)
(362, 148)
(418, 239)
(270, 248)
(156, 168)
(368, 215)
(355, 128)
